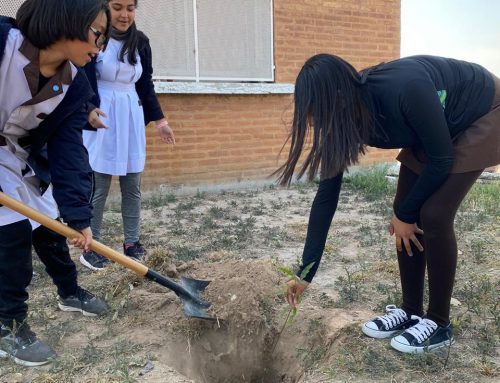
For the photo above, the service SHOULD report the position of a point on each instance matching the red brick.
(233, 138)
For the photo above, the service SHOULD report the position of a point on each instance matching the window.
(10, 7)
(209, 40)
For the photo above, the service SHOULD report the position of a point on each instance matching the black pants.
(16, 269)
(437, 216)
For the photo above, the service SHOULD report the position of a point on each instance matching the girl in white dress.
(127, 101)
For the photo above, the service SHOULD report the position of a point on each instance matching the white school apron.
(121, 148)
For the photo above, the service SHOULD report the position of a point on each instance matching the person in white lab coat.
(43, 163)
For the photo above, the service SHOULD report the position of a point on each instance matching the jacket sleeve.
(71, 175)
(145, 87)
(424, 113)
(95, 101)
(322, 212)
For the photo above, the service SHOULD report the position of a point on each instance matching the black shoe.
(426, 335)
(85, 302)
(134, 250)
(24, 347)
(395, 320)
(93, 261)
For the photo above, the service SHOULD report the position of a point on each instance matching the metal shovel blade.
(188, 290)
(195, 308)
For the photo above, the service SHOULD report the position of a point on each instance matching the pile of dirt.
(248, 342)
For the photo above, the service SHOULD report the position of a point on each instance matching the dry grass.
(271, 224)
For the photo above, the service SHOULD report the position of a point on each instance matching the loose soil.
(239, 240)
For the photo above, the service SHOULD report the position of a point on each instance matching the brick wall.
(238, 138)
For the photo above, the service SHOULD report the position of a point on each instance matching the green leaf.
(286, 270)
(306, 270)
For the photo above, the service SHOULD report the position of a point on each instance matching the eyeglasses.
(100, 38)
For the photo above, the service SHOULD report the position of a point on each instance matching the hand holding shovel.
(188, 290)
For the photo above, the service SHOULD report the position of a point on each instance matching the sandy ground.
(238, 241)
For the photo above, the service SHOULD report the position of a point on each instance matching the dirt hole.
(247, 297)
(222, 356)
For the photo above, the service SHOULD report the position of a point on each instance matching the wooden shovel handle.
(70, 233)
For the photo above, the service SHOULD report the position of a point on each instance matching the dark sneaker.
(394, 321)
(24, 347)
(426, 335)
(85, 302)
(134, 250)
(93, 261)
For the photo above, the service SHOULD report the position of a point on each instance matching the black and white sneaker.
(394, 321)
(426, 335)
(93, 261)
(24, 347)
(84, 302)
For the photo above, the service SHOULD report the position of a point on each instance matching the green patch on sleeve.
(442, 97)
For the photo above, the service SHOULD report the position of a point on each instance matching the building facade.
(225, 70)
(234, 133)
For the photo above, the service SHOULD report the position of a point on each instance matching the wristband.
(162, 124)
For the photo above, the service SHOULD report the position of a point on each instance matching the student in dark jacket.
(126, 102)
(445, 114)
(43, 163)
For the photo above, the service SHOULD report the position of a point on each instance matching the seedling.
(292, 312)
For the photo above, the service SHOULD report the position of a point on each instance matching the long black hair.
(329, 99)
(130, 41)
(44, 22)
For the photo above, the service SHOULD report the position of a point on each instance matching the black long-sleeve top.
(421, 102)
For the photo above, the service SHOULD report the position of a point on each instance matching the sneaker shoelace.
(25, 334)
(423, 329)
(84, 295)
(393, 317)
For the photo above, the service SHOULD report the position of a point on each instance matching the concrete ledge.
(176, 87)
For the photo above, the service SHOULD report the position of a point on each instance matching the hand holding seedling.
(295, 288)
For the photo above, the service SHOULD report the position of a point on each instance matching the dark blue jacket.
(144, 86)
(57, 154)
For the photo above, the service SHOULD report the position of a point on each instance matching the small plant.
(184, 253)
(292, 313)
(200, 194)
(217, 212)
(185, 206)
(274, 236)
(207, 223)
(372, 182)
(158, 200)
(350, 287)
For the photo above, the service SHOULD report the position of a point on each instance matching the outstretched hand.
(165, 131)
(294, 290)
(94, 119)
(405, 234)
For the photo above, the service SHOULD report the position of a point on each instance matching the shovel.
(188, 290)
